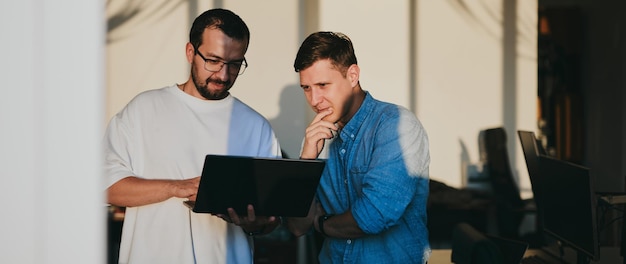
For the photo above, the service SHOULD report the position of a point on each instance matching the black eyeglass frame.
(239, 65)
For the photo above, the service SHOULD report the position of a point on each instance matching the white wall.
(379, 32)
(468, 80)
(473, 67)
(51, 193)
(155, 32)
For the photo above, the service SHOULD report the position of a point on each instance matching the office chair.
(510, 207)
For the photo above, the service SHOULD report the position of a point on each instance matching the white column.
(52, 197)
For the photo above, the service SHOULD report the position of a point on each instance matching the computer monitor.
(531, 154)
(569, 205)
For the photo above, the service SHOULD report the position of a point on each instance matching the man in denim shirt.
(372, 194)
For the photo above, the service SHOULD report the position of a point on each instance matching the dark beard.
(204, 90)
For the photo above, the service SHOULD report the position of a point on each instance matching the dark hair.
(322, 45)
(225, 20)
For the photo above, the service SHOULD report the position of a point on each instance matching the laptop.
(274, 186)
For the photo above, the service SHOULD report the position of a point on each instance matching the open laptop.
(274, 186)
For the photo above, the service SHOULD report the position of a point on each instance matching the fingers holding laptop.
(244, 220)
(251, 223)
(187, 188)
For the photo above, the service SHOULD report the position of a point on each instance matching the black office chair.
(510, 207)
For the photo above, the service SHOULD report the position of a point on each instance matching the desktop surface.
(608, 255)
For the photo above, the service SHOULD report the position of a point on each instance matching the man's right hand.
(316, 133)
(186, 188)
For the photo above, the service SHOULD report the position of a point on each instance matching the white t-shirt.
(165, 134)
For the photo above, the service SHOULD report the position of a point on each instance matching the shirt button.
(352, 135)
(345, 181)
(349, 241)
(343, 151)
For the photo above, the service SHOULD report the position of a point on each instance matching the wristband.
(320, 223)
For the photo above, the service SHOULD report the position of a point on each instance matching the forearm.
(300, 225)
(341, 226)
(133, 191)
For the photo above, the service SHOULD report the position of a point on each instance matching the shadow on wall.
(473, 174)
(291, 120)
(124, 18)
(465, 163)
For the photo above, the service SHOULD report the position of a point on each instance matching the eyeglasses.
(215, 65)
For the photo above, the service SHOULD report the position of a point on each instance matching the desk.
(608, 255)
(440, 256)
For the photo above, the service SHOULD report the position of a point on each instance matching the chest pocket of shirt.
(360, 160)
(356, 177)
(358, 163)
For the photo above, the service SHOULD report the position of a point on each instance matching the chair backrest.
(497, 162)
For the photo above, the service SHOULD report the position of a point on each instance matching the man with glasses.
(155, 149)
(373, 191)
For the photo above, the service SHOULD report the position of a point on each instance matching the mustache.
(217, 81)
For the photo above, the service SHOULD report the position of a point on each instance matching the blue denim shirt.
(377, 167)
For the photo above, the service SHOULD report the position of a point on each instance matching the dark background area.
(582, 86)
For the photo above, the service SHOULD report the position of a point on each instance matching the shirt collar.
(351, 128)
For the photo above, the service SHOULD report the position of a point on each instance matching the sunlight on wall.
(463, 82)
